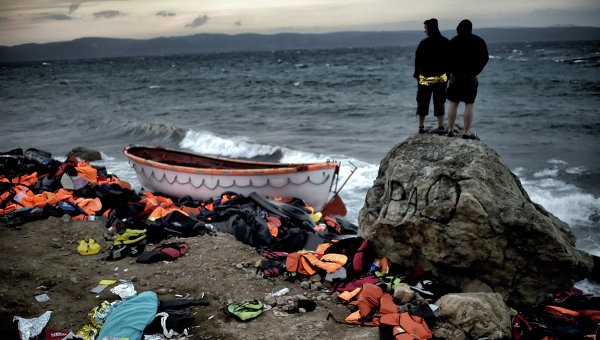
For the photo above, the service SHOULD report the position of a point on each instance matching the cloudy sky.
(39, 21)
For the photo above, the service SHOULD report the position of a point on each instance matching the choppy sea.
(538, 106)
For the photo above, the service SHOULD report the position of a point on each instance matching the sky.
(41, 21)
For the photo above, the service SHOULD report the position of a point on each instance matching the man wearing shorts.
(431, 65)
(468, 56)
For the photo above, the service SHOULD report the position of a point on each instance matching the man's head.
(464, 27)
(431, 26)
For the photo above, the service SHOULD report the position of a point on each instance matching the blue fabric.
(130, 318)
(66, 207)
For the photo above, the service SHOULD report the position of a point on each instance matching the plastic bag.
(124, 290)
(30, 328)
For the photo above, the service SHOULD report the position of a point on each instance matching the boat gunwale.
(269, 169)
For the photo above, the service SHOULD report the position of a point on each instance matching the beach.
(41, 258)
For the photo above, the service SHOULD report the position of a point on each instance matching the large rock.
(452, 206)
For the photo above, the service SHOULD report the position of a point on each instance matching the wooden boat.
(180, 173)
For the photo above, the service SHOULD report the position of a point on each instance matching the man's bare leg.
(452, 108)
(468, 118)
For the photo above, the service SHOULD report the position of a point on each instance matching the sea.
(538, 106)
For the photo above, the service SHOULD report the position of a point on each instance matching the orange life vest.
(406, 326)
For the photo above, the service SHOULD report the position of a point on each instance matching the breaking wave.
(154, 130)
(352, 185)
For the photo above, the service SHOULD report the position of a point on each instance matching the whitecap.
(565, 201)
(546, 173)
(577, 170)
(557, 162)
(236, 147)
(588, 287)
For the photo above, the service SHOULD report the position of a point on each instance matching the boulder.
(86, 154)
(477, 314)
(452, 206)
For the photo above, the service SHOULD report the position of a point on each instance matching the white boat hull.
(312, 184)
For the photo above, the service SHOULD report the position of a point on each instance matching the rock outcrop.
(452, 206)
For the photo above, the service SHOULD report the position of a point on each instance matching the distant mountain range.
(88, 48)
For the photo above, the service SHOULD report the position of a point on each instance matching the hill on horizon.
(90, 48)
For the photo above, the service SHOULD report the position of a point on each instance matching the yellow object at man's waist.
(432, 80)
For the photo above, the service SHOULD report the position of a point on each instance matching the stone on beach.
(452, 206)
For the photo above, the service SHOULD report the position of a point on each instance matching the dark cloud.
(53, 16)
(73, 7)
(199, 21)
(238, 23)
(3, 19)
(165, 14)
(580, 16)
(106, 14)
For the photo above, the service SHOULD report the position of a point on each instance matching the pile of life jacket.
(33, 185)
(566, 315)
(375, 307)
(363, 282)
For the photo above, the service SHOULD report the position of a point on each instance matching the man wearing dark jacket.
(468, 56)
(431, 62)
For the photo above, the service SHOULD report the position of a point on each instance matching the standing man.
(468, 56)
(431, 65)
